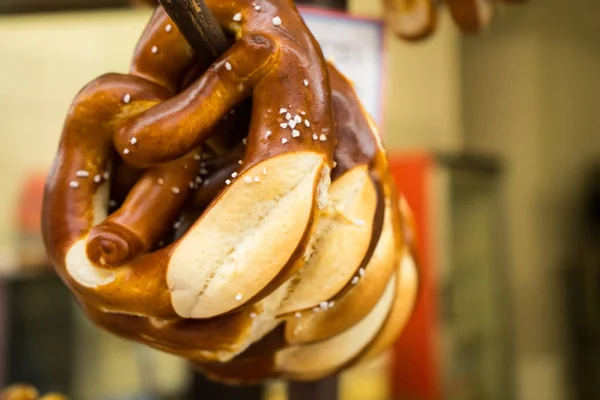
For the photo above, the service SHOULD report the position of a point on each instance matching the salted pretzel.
(281, 65)
(115, 264)
(345, 326)
(258, 246)
(360, 164)
(358, 321)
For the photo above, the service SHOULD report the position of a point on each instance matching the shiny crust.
(184, 209)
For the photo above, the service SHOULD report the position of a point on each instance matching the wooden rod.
(199, 27)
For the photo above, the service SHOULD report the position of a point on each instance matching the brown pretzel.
(260, 251)
(248, 326)
(107, 265)
(259, 59)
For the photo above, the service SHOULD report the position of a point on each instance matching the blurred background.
(494, 139)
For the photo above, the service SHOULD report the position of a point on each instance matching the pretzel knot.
(243, 218)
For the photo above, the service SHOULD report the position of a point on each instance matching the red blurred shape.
(415, 371)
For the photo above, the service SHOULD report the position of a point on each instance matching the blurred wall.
(531, 94)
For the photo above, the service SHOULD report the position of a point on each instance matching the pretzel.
(415, 20)
(219, 242)
(27, 392)
(106, 261)
(112, 274)
(471, 15)
(196, 339)
(411, 19)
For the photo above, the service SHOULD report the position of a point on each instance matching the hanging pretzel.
(106, 261)
(250, 227)
(196, 339)
(136, 113)
(411, 19)
(471, 15)
(417, 19)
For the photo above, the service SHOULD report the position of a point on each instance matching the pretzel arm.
(76, 194)
(191, 116)
(162, 55)
(138, 285)
(130, 231)
(163, 189)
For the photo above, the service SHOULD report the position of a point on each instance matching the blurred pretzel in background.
(415, 20)
(241, 216)
(27, 392)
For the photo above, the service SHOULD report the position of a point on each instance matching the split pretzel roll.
(272, 357)
(364, 318)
